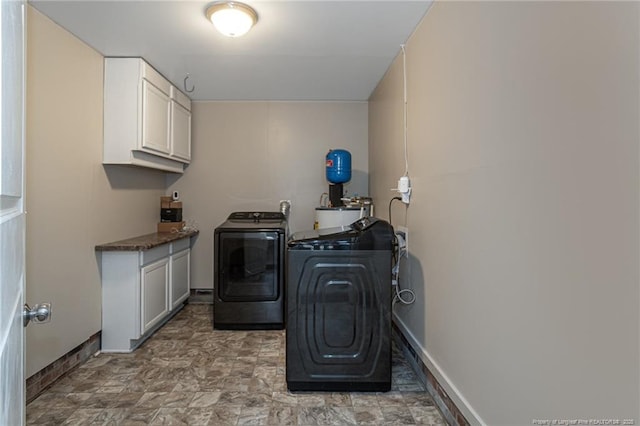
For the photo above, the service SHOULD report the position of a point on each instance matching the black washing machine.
(339, 308)
(248, 285)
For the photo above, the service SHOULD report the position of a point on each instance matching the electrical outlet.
(404, 188)
(403, 231)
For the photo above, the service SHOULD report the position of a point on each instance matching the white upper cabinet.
(147, 121)
(156, 116)
(180, 125)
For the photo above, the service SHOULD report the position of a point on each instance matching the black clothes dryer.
(339, 308)
(248, 284)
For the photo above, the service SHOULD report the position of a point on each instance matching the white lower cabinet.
(154, 283)
(141, 290)
(180, 277)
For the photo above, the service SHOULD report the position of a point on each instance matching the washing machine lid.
(367, 233)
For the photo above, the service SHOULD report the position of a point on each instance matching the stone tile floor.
(189, 374)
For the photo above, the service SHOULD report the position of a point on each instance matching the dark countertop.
(145, 242)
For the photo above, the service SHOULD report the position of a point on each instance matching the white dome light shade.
(232, 18)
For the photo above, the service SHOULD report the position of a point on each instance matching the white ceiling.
(299, 50)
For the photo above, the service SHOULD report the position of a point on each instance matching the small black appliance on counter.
(170, 215)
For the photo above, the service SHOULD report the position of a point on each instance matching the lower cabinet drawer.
(155, 253)
(180, 245)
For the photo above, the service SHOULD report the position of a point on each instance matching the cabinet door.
(180, 277)
(180, 132)
(155, 118)
(154, 285)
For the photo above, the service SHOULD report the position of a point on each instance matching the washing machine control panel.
(363, 223)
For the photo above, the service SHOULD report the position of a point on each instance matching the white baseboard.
(451, 390)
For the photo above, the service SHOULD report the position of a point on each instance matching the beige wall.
(73, 202)
(523, 150)
(250, 155)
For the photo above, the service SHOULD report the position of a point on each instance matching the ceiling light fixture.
(232, 18)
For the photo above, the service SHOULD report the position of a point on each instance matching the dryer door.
(247, 266)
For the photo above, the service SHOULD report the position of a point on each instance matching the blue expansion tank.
(338, 166)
